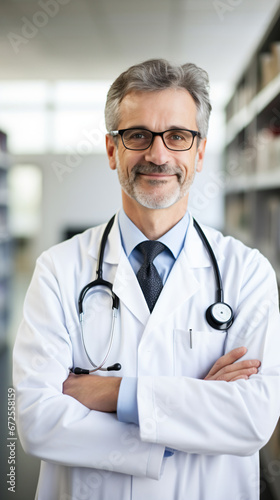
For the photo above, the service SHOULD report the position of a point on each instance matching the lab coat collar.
(182, 276)
(196, 253)
(125, 283)
(113, 246)
(182, 282)
(127, 288)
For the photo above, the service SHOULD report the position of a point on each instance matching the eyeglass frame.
(120, 132)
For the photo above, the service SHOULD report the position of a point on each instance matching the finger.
(227, 359)
(228, 371)
(229, 376)
(240, 365)
(240, 377)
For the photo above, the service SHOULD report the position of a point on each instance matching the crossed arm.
(101, 393)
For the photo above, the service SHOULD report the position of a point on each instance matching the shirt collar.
(131, 236)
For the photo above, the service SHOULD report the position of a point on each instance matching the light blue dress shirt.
(131, 236)
(174, 240)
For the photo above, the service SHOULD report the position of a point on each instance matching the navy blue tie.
(148, 277)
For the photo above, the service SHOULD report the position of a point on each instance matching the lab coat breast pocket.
(195, 352)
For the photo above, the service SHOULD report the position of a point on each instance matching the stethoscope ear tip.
(116, 367)
(80, 371)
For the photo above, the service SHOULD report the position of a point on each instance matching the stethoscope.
(219, 315)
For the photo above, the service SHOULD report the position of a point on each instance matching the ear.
(200, 154)
(111, 149)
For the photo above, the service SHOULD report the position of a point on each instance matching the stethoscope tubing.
(220, 290)
(211, 316)
(100, 366)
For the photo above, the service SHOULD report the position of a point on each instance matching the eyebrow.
(171, 127)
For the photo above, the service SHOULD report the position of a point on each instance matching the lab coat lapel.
(180, 286)
(125, 284)
(182, 282)
(128, 290)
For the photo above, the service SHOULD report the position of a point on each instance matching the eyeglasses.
(138, 139)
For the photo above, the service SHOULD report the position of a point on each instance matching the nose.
(157, 153)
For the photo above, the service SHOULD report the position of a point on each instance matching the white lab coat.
(215, 427)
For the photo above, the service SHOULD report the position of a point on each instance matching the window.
(42, 117)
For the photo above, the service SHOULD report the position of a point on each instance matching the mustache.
(152, 168)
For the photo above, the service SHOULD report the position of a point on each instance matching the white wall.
(78, 193)
(206, 200)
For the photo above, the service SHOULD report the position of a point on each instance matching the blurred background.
(57, 61)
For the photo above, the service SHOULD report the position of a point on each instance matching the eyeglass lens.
(178, 140)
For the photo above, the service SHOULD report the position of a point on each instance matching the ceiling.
(91, 39)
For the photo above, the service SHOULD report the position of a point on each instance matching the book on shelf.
(268, 150)
(269, 64)
(268, 234)
(3, 142)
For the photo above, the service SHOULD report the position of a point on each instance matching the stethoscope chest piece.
(219, 316)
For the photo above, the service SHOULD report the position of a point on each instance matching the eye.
(176, 137)
(178, 140)
(136, 135)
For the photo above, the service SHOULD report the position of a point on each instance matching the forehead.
(158, 109)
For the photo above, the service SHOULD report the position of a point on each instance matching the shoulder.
(73, 251)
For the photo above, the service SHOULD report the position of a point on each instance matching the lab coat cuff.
(127, 407)
(156, 461)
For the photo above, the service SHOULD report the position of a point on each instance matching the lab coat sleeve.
(217, 417)
(56, 427)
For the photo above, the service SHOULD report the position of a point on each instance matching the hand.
(226, 369)
(94, 392)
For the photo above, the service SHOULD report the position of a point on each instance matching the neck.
(154, 223)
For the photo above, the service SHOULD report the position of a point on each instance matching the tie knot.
(150, 249)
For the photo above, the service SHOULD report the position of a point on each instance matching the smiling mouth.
(157, 178)
(156, 174)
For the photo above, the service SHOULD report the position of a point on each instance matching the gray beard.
(132, 187)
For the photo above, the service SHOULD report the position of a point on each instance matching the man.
(192, 405)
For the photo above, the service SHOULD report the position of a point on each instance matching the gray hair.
(155, 75)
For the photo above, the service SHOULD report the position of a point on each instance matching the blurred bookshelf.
(252, 178)
(252, 153)
(5, 241)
